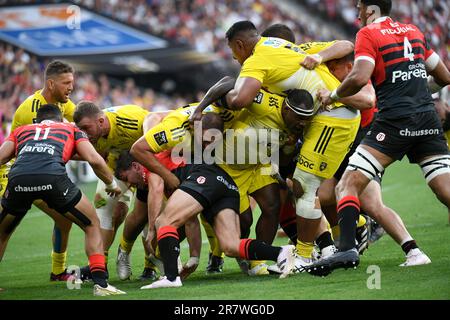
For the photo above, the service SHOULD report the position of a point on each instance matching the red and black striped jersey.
(400, 54)
(44, 148)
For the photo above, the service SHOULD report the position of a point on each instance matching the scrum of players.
(334, 114)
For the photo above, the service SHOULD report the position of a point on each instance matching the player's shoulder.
(34, 99)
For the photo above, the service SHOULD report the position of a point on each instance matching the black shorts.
(181, 173)
(213, 188)
(362, 132)
(56, 190)
(416, 136)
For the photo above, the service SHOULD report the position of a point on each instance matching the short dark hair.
(281, 31)
(123, 163)
(49, 112)
(301, 102)
(57, 67)
(238, 27)
(211, 120)
(348, 58)
(85, 109)
(385, 5)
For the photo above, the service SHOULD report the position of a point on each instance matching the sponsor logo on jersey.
(305, 162)
(323, 166)
(400, 75)
(397, 30)
(39, 148)
(20, 188)
(418, 133)
(160, 138)
(259, 97)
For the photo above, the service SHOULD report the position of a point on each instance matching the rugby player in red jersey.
(398, 59)
(39, 172)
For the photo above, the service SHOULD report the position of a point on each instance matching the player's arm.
(87, 152)
(440, 77)
(243, 93)
(152, 119)
(144, 154)
(194, 238)
(7, 151)
(364, 99)
(332, 50)
(154, 204)
(216, 92)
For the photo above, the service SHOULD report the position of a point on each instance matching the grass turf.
(24, 271)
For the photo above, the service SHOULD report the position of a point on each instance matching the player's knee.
(436, 171)
(64, 225)
(363, 163)
(306, 204)
(105, 218)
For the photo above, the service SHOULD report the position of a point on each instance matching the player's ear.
(51, 84)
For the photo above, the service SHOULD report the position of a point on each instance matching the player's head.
(59, 80)
(91, 119)
(369, 10)
(341, 68)
(298, 110)
(212, 124)
(281, 31)
(49, 112)
(242, 38)
(129, 170)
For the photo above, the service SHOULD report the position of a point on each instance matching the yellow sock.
(58, 262)
(212, 239)
(148, 264)
(304, 249)
(362, 221)
(126, 245)
(254, 263)
(106, 257)
(336, 232)
(157, 252)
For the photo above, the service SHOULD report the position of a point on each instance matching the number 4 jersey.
(44, 148)
(401, 56)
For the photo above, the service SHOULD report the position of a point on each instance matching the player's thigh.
(243, 180)
(60, 221)
(181, 206)
(326, 144)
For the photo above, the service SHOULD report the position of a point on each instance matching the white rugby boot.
(415, 257)
(108, 291)
(164, 283)
(286, 260)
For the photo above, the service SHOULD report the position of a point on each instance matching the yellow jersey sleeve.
(170, 132)
(315, 47)
(266, 102)
(68, 110)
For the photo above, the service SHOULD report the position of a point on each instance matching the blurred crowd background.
(201, 24)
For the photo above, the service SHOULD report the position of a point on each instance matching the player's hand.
(311, 61)
(113, 192)
(196, 116)
(189, 267)
(324, 97)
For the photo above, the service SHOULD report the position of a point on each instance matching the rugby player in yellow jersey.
(58, 86)
(166, 133)
(273, 63)
(111, 131)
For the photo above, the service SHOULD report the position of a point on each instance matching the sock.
(169, 246)
(148, 264)
(58, 262)
(98, 269)
(254, 263)
(336, 232)
(250, 249)
(348, 213)
(126, 245)
(288, 220)
(409, 245)
(361, 221)
(304, 249)
(324, 240)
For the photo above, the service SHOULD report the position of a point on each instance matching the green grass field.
(24, 271)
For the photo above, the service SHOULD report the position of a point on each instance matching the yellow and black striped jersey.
(276, 64)
(447, 135)
(315, 47)
(125, 129)
(172, 129)
(26, 112)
